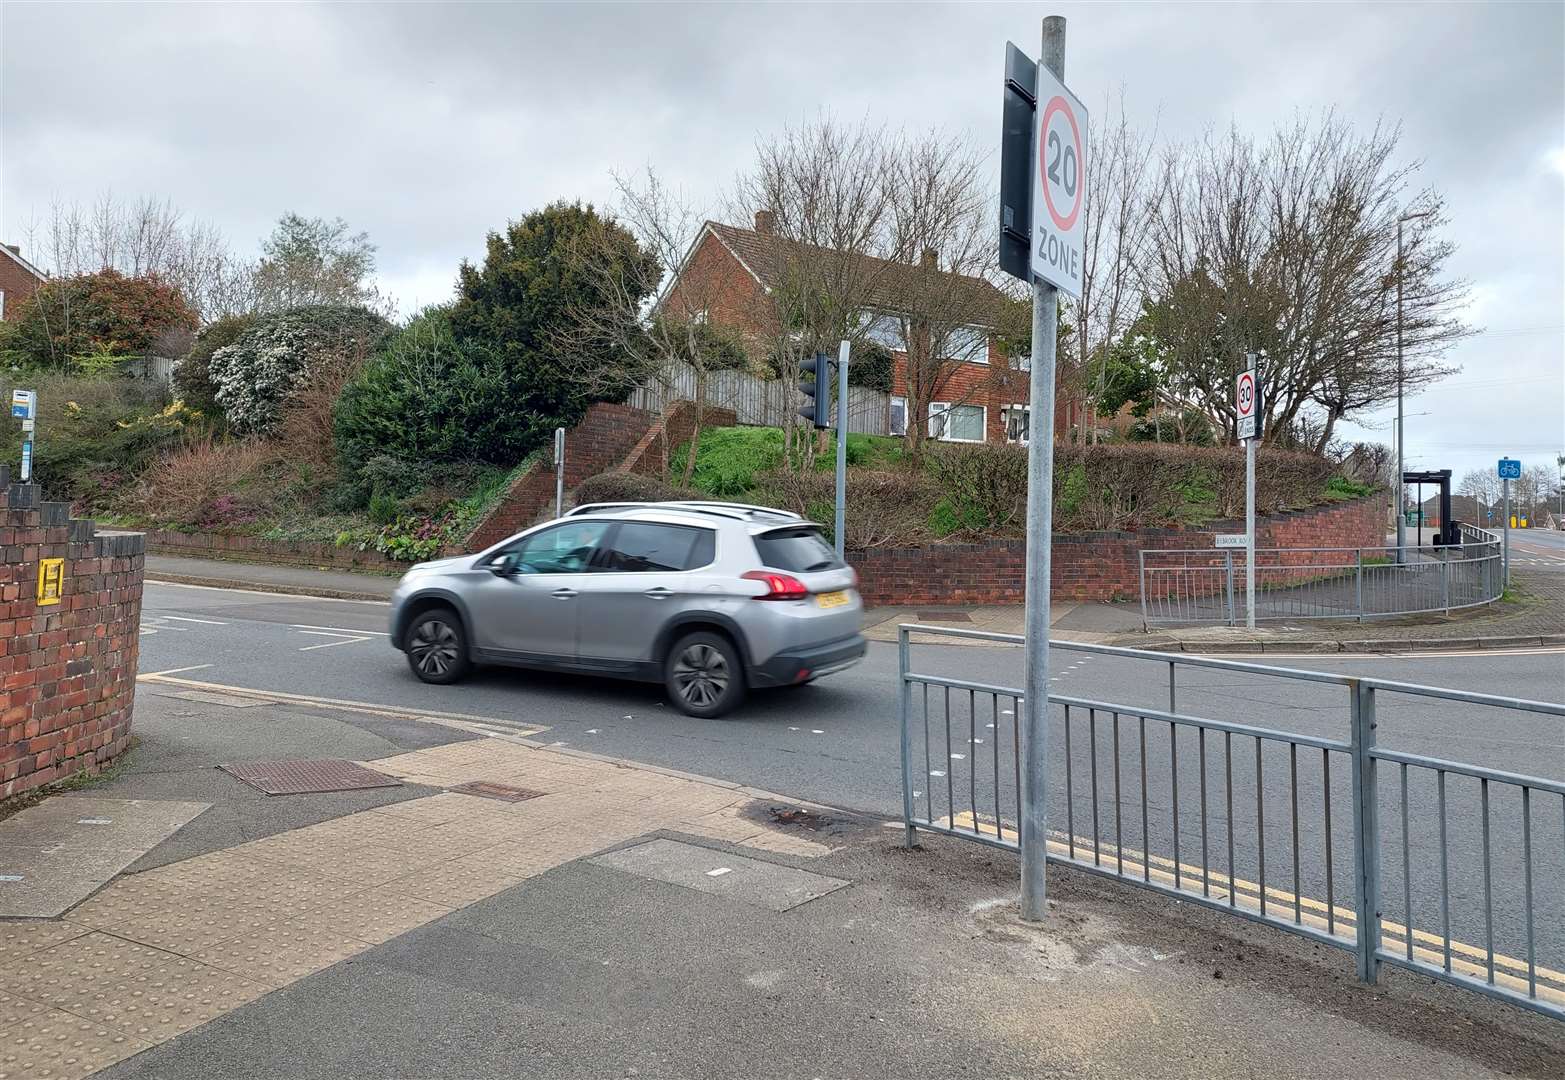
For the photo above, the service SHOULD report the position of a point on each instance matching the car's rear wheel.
(437, 647)
(703, 675)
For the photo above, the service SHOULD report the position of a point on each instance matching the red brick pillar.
(69, 639)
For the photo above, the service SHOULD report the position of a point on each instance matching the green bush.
(984, 488)
(278, 354)
(629, 487)
(193, 374)
(730, 459)
(1341, 487)
(883, 509)
(431, 401)
(93, 315)
(95, 435)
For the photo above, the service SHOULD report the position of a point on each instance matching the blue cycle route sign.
(1510, 469)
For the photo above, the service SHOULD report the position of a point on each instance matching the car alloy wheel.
(435, 648)
(701, 675)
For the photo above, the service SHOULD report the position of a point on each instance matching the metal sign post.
(839, 521)
(1055, 211)
(559, 472)
(24, 407)
(1247, 408)
(1509, 469)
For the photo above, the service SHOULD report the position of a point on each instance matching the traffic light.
(816, 390)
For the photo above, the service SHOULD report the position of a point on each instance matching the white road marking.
(936, 772)
(305, 627)
(186, 618)
(958, 757)
(344, 640)
(173, 671)
(720, 871)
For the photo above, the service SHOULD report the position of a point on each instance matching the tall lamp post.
(1401, 493)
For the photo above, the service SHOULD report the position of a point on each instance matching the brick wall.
(600, 442)
(211, 545)
(672, 430)
(67, 670)
(16, 282)
(1091, 565)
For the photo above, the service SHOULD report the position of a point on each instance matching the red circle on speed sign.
(1246, 394)
(1063, 222)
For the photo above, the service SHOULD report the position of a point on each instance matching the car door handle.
(563, 594)
(658, 592)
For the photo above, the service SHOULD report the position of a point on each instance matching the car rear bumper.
(798, 665)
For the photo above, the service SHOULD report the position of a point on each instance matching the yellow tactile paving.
(147, 993)
(20, 939)
(283, 952)
(40, 1043)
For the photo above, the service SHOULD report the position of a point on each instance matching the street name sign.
(1059, 185)
(1247, 404)
(1231, 540)
(1510, 469)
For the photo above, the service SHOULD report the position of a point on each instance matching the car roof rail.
(749, 508)
(731, 510)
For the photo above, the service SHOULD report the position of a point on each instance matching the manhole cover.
(503, 792)
(308, 777)
(944, 616)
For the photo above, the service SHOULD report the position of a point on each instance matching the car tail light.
(778, 586)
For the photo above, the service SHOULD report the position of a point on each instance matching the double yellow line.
(1466, 959)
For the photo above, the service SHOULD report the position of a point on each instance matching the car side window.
(646, 547)
(565, 549)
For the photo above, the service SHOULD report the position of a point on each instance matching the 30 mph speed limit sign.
(1059, 187)
(1247, 405)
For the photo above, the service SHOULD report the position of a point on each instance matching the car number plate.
(832, 599)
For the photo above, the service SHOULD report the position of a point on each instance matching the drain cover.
(503, 792)
(308, 777)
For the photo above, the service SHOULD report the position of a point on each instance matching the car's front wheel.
(437, 647)
(704, 676)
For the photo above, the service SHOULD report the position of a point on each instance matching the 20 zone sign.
(1059, 185)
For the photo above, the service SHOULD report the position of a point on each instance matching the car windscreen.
(799, 550)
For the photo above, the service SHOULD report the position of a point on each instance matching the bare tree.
(656, 319)
(1115, 225)
(145, 238)
(1483, 487)
(819, 197)
(1288, 248)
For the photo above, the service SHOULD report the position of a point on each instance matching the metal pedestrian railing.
(1310, 832)
(1206, 585)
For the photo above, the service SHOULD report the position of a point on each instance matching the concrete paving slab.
(733, 877)
(55, 854)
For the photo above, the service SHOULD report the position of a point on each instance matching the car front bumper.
(800, 665)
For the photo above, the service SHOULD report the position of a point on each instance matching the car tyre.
(704, 676)
(436, 646)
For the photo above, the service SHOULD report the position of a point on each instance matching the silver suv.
(710, 599)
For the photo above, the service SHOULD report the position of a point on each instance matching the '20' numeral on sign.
(1062, 166)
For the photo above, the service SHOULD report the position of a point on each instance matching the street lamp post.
(1401, 493)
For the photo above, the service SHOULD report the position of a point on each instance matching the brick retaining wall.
(211, 545)
(67, 670)
(1091, 565)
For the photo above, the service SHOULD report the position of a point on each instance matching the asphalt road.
(837, 742)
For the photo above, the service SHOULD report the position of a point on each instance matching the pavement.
(606, 918)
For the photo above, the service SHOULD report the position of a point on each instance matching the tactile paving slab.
(491, 790)
(308, 777)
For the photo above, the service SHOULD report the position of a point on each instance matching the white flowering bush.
(254, 376)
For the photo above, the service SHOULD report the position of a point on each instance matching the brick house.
(19, 278)
(728, 272)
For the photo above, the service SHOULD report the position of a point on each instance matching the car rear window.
(799, 550)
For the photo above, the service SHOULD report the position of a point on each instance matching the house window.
(883, 330)
(969, 344)
(957, 423)
(1018, 423)
(899, 416)
(2, 303)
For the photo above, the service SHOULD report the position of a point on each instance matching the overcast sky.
(429, 124)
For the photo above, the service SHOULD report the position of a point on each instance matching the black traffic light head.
(816, 389)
